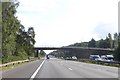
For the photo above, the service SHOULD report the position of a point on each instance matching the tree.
(92, 43)
(21, 50)
(115, 40)
(117, 51)
(42, 53)
(10, 25)
(100, 44)
(25, 41)
(0, 32)
(30, 40)
(16, 42)
(107, 43)
(110, 41)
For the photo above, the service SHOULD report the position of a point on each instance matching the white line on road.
(70, 69)
(35, 73)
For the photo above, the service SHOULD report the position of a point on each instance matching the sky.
(63, 22)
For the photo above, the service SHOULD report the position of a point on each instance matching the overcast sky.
(64, 22)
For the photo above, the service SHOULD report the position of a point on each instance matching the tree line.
(17, 43)
(102, 43)
(108, 42)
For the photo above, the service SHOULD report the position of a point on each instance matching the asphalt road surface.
(57, 68)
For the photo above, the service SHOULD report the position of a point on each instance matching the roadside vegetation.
(42, 54)
(108, 43)
(17, 43)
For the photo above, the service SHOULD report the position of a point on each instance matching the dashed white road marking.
(35, 73)
(70, 69)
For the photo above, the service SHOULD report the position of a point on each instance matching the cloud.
(64, 22)
(102, 30)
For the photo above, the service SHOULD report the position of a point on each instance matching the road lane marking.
(70, 69)
(35, 73)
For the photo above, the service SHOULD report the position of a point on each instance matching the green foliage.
(82, 44)
(115, 41)
(110, 41)
(92, 43)
(117, 51)
(9, 23)
(0, 33)
(42, 53)
(107, 43)
(102, 43)
(17, 44)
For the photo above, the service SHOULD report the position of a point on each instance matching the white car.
(107, 58)
(74, 57)
(94, 57)
(98, 59)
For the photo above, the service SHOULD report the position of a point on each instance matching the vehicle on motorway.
(74, 57)
(107, 58)
(68, 58)
(95, 57)
(103, 58)
(47, 56)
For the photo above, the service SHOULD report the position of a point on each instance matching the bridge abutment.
(36, 53)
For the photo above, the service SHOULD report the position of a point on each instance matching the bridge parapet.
(84, 48)
(85, 52)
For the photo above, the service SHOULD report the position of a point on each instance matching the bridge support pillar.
(36, 53)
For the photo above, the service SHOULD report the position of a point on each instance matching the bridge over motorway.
(84, 51)
(67, 48)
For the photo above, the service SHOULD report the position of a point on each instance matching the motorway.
(57, 68)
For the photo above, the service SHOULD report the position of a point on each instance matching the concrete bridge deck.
(67, 48)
